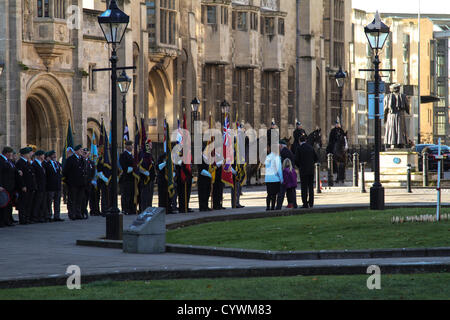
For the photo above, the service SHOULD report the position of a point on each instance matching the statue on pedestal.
(395, 106)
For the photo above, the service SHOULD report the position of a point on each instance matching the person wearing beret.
(54, 178)
(127, 179)
(89, 187)
(147, 175)
(8, 184)
(163, 188)
(74, 173)
(40, 200)
(26, 185)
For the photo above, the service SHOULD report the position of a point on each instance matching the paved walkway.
(46, 250)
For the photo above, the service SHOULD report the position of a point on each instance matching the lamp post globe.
(113, 23)
(124, 82)
(377, 33)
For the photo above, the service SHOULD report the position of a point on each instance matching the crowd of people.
(34, 182)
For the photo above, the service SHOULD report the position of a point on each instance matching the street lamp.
(195, 104)
(340, 80)
(377, 33)
(124, 82)
(113, 23)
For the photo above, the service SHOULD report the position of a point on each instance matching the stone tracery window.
(43, 8)
(60, 9)
(168, 16)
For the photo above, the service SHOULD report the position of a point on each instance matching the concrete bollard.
(408, 179)
(363, 178)
(355, 169)
(425, 169)
(318, 178)
(330, 170)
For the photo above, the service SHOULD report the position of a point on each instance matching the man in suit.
(285, 153)
(26, 185)
(147, 177)
(305, 159)
(127, 179)
(74, 172)
(40, 199)
(54, 177)
(89, 167)
(103, 182)
(204, 184)
(7, 183)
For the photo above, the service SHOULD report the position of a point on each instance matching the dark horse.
(340, 148)
(315, 140)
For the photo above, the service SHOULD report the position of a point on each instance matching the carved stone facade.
(252, 53)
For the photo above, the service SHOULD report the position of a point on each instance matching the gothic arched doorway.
(159, 95)
(47, 113)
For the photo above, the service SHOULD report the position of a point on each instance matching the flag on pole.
(169, 163)
(126, 132)
(94, 149)
(227, 175)
(67, 143)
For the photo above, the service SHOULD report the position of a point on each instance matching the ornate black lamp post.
(113, 23)
(340, 80)
(377, 33)
(124, 82)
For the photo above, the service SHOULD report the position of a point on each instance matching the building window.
(168, 17)
(151, 22)
(339, 33)
(224, 15)
(213, 90)
(441, 65)
(60, 9)
(92, 78)
(253, 21)
(242, 21)
(440, 124)
(270, 98)
(406, 46)
(243, 95)
(43, 8)
(211, 14)
(441, 95)
(269, 26)
(291, 95)
(281, 26)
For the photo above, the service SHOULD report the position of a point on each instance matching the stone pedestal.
(147, 234)
(396, 162)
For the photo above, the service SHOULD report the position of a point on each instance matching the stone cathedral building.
(270, 59)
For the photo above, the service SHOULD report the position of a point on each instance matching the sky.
(403, 6)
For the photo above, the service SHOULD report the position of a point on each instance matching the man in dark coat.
(333, 138)
(163, 192)
(285, 153)
(147, 176)
(26, 185)
(298, 132)
(7, 183)
(54, 177)
(75, 174)
(305, 159)
(126, 180)
(40, 197)
(184, 185)
(204, 184)
(89, 187)
(103, 182)
(218, 186)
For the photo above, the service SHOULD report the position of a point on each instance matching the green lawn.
(361, 229)
(417, 286)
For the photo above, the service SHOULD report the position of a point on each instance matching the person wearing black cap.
(127, 183)
(298, 132)
(147, 177)
(26, 185)
(75, 175)
(54, 177)
(39, 201)
(8, 184)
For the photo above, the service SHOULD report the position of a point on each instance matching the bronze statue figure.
(395, 106)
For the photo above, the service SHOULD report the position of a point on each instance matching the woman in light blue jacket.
(273, 178)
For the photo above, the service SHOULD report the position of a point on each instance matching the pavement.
(39, 254)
